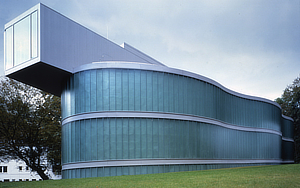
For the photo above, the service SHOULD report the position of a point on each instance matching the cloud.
(248, 46)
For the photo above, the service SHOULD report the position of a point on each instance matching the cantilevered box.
(42, 47)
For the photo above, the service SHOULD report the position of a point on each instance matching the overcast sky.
(251, 47)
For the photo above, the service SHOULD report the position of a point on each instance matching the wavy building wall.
(124, 113)
(127, 118)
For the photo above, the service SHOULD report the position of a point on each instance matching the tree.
(290, 104)
(30, 127)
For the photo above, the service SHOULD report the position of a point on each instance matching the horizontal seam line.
(153, 162)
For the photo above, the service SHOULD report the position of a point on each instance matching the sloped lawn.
(260, 176)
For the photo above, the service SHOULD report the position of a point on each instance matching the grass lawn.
(260, 176)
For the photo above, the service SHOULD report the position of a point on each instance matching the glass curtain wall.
(137, 170)
(139, 90)
(147, 138)
(135, 138)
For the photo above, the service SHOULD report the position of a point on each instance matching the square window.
(5, 169)
(20, 168)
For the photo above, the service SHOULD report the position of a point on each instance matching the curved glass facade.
(144, 138)
(140, 90)
(113, 143)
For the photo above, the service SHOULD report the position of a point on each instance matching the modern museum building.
(124, 113)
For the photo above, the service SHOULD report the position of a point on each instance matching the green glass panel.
(82, 98)
(93, 90)
(131, 91)
(88, 173)
(131, 135)
(63, 146)
(125, 89)
(143, 92)
(77, 141)
(125, 138)
(106, 140)
(82, 141)
(180, 95)
(106, 90)
(185, 97)
(112, 89)
(137, 90)
(77, 90)
(137, 140)
(82, 173)
(94, 172)
(143, 126)
(94, 139)
(171, 92)
(125, 171)
(149, 138)
(166, 92)
(87, 91)
(73, 144)
(100, 139)
(155, 137)
(112, 139)
(155, 91)
(119, 138)
(99, 87)
(161, 140)
(160, 88)
(119, 94)
(149, 89)
(69, 142)
(176, 93)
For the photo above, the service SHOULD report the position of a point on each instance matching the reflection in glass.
(34, 35)
(22, 41)
(9, 47)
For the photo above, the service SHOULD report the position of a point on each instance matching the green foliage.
(290, 104)
(30, 126)
(261, 176)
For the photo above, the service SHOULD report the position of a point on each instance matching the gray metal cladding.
(66, 44)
